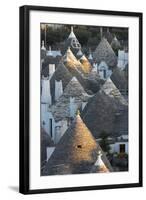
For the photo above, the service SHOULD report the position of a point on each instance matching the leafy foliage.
(104, 141)
(87, 35)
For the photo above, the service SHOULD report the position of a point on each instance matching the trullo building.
(104, 52)
(76, 152)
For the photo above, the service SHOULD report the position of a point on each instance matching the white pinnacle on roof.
(101, 167)
(79, 53)
(101, 32)
(72, 35)
(83, 58)
(103, 63)
(43, 45)
(115, 43)
(70, 59)
(69, 55)
(90, 57)
(115, 38)
(50, 52)
(74, 79)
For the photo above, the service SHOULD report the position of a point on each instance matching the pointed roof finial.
(99, 154)
(72, 35)
(72, 29)
(101, 32)
(99, 164)
(115, 38)
(78, 112)
(43, 45)
(50, 51)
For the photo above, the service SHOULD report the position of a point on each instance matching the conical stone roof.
(101, 111)
(108, 35)
(91, 83)
(120, 79)
(86, 64)
(75, 153)
(115, 44)
(61, 73)
(104, 52)
(90, 57)
(72, 42)
(112, 91)
(74, 89)
(71, 62)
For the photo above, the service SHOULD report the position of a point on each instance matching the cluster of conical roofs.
(78, 151)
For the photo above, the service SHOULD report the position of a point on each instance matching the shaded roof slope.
(86, 64)
(108, 35)
(71, 62)
(46, 141)
(61, 73)
(104, 52)
(101, 111)
(91, 83)
(71, 42)
(119, 79)
(112, 91)
(115, 44)
(60, 109)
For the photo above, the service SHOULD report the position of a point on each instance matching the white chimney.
(43, 45)
(72, 106)
(122, 59)
(50, 52)
(58, 89)
(51, 70)
(101, 32)
(83, 105)
(46, 95)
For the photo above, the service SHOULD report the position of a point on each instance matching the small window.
(122, 148)
(51, 127)
(79, 146)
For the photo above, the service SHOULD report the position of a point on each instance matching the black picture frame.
(24, 98)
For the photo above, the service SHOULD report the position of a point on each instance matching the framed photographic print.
(80, 99)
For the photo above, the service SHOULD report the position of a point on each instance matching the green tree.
(104, 143)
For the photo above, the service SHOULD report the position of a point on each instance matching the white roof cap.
(50, 52)
(72, 35)
(43, 45)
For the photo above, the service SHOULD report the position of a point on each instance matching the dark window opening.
(79, 146)
(104, 73)
(50, 123)
(122, 148)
